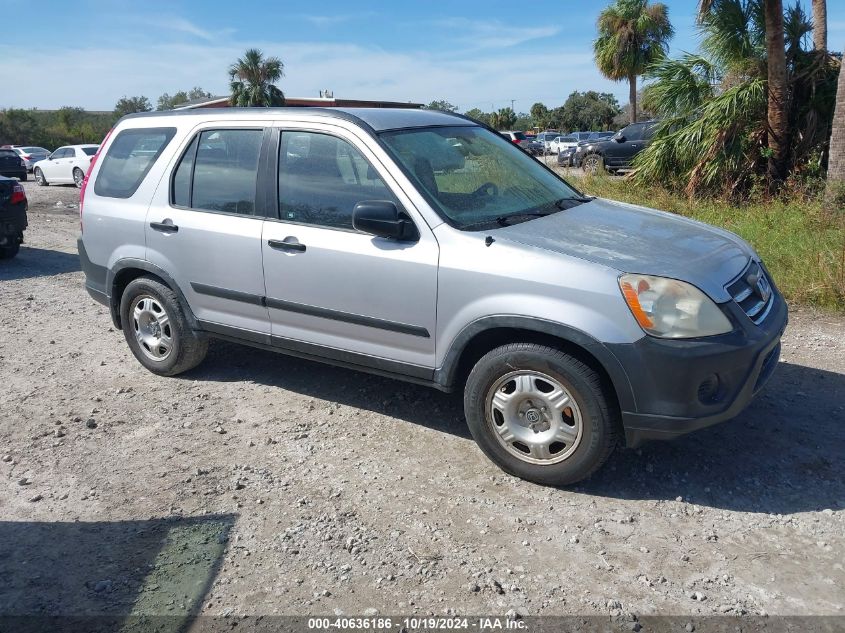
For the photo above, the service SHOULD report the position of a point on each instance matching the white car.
(561, 143)
(68, 164)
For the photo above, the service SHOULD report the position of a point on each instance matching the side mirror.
(382, 219)
(620, 139)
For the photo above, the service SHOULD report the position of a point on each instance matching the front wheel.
(24, 177)
(39, 177)
(156, 329)
(540, 413)
(78, 177)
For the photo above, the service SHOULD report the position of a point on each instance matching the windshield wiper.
(561, 204)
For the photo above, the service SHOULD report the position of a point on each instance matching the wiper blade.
(504, 220)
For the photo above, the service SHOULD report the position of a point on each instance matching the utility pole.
(512, 102)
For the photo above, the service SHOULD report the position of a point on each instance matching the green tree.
(479, 115)
(716, 134)
(588, 111)
(540, 114)
(167, 102)
(129, 105)
(442, 105)
(504, 119)
(632, 35)
(252, 80)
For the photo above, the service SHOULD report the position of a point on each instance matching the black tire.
(599, 429)
(78, 177)
(8, 252)
(24, 177)
(188, 347)
(593, 164)
(39, 177)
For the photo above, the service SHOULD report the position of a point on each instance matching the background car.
(562, 142)
(67, 164)
(617, 152)
(13, 220)
(11, 164)
(547, 137)
(566, 156)
(30, 154)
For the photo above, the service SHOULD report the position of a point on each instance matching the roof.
(376, 119)
(336, 102)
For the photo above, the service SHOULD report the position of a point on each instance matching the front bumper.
(681, 386)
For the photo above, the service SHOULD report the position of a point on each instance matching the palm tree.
(633, 34)
(715, 133)
(836, 165)
(778, 93)
(251, 80)
(820, 25)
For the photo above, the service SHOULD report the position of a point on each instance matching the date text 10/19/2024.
(415, 623)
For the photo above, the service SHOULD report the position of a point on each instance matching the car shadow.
(108, 575)
(228, 362)
(781, 455)
(38, 262)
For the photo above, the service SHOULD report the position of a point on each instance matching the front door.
(205, 228)
(332, 290)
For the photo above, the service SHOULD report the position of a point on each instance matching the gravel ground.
(261, 484)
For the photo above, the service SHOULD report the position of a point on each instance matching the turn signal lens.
(669, 308)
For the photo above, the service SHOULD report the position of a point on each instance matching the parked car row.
(66, 165)
(610, 153)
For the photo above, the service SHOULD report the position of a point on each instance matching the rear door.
(335, 291)
(204, 227)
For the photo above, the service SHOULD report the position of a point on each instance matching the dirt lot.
(261, 484)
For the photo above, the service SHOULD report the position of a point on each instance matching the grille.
(753, 292)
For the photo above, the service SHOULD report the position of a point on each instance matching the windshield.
(474, 178)
(33, 150)
(90, 151)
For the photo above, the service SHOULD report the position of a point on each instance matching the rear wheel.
(39, 177)
(592, 164)
(78, 177)
(540, 413)
(156, 329)
(9, 251)
(24, 177)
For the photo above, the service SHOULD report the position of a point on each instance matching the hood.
(635, 239)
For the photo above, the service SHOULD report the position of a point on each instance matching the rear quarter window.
(129, 158)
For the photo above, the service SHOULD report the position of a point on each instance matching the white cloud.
(95, 78)
(474, 34)
(327, 20)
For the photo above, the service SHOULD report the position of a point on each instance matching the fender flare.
(446, 374)
(140, 264)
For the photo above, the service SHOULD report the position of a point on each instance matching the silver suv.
(424, 246)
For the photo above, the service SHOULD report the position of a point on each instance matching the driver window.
(322, 178)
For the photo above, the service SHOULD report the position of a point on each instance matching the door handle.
(288, 244)
(165, 226)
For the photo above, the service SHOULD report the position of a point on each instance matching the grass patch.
(802, 242)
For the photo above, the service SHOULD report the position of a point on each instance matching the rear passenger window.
(128, 160)
(218, 172)
(322, 178)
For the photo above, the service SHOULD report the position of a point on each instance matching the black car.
(11, 164)
(13, 222)
(616, 152)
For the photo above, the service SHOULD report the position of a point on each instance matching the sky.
(473, 53)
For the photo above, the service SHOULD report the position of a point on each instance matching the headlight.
(669, 308)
